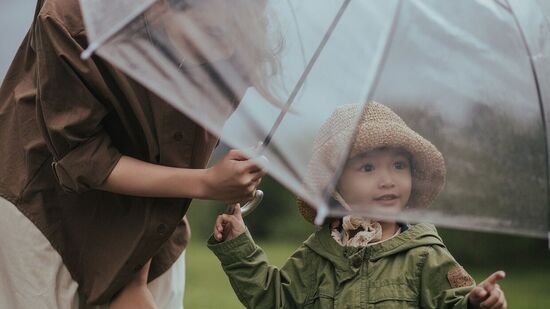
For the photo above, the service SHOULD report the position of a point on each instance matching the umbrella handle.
(249, 206)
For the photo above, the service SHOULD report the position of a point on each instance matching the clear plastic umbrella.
(470, 76)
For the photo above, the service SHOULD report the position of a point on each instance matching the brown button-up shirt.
(64, 124)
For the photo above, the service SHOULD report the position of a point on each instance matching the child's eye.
(367, 168)
(400, 165)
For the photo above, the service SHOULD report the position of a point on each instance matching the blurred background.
(279, 229)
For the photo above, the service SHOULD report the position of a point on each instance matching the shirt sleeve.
(258, 284)
(70, 109)
(444, 283)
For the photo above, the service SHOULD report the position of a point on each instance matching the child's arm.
(488, 294)
(445, 284)
(135, 294)
(256, 283)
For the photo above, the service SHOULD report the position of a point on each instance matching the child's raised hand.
(488, 294)
(229, 226)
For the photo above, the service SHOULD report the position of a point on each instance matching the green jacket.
(411, 270)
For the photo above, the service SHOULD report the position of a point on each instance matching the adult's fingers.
(261, 161)
(145, 269)
(147, 265)
(144, 272)
(256, 176)
(250, 167)
(255, 165)
(253, 187)
(244, 195)
(237, 155)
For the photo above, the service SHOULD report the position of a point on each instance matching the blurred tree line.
(496, 166)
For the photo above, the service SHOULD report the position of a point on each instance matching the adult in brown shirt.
(100, 166)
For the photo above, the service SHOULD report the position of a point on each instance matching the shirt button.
(178, 136)
(162, 228)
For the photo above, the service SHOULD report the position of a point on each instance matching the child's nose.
(386, 180)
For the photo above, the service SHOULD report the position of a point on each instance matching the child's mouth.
(387, 199)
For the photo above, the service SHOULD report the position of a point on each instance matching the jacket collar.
(348, 260)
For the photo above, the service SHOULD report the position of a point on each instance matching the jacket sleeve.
(70, 109)
(258, 284)
(444, 283)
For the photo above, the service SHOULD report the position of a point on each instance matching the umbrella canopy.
(469, 76)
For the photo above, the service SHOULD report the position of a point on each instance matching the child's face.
(381, 177)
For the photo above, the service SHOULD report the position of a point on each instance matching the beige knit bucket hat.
(377, 127)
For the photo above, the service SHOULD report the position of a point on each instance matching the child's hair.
(377, 127)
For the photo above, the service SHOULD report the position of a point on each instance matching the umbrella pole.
(250, 206)
(304, 75)
(541, 105)
(376, 79)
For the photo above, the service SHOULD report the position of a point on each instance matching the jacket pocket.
(392, 295)
(320, 300)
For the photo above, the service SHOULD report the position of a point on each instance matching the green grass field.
(526, 287)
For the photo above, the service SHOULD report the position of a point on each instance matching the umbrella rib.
(541, 105)
(298, 32)
(102, 39)
(372, 88)
(306, 72)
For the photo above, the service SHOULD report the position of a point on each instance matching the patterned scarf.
(356, 231)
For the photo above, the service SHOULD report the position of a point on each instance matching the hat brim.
(428, 166)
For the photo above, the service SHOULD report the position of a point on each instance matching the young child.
(354, 262)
